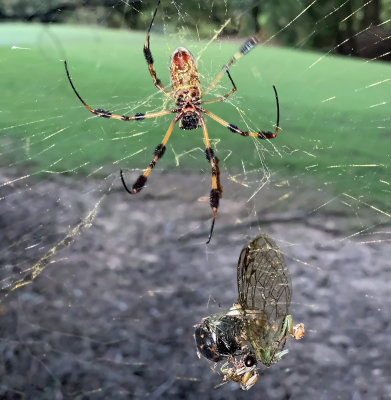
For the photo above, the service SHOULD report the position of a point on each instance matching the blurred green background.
(350, 24)
(335, 111)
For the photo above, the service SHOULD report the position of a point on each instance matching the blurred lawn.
(335, 121)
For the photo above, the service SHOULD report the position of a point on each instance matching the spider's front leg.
(148, 57)
(245, 49)
(260, 134)
(216, 190)
(222, 98)
(158, 153)
(108, 114)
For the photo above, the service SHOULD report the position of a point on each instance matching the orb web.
(100, 290)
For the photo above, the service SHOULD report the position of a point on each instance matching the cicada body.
(257, 326)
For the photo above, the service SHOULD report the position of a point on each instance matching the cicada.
(256, 327)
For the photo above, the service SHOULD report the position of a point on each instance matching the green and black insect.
(255, 328)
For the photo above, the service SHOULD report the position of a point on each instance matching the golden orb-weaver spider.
(186, 94)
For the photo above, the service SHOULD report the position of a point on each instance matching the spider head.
(189, 120)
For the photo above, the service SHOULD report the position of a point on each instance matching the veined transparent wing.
(264, 296)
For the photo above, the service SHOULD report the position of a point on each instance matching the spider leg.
(158, 153)
(216, 190)
(247, 46)
(107, 114)
(222, 98)
(235, 129)
(148, 56)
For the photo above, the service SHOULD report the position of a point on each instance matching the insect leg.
(286, 328)
(224, 368)
(296, 331)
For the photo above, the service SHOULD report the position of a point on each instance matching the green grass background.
(44, 127)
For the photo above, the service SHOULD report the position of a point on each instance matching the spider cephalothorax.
(186, 94)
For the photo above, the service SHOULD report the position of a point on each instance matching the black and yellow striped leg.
(158, 153)
(222, 98)
(235, 129)
(247, 46)
(148, 57)
(216, 190)
(107, 114)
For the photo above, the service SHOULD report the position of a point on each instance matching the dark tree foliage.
(354, 27)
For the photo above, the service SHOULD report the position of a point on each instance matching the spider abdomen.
(189, 121)
(183, 71)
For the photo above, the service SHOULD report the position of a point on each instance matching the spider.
(186, 94)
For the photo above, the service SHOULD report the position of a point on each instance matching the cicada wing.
(264, 294)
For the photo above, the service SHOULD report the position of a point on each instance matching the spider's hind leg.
(158, 153)
(216, 190)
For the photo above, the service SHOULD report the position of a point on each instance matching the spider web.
(100, 290)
